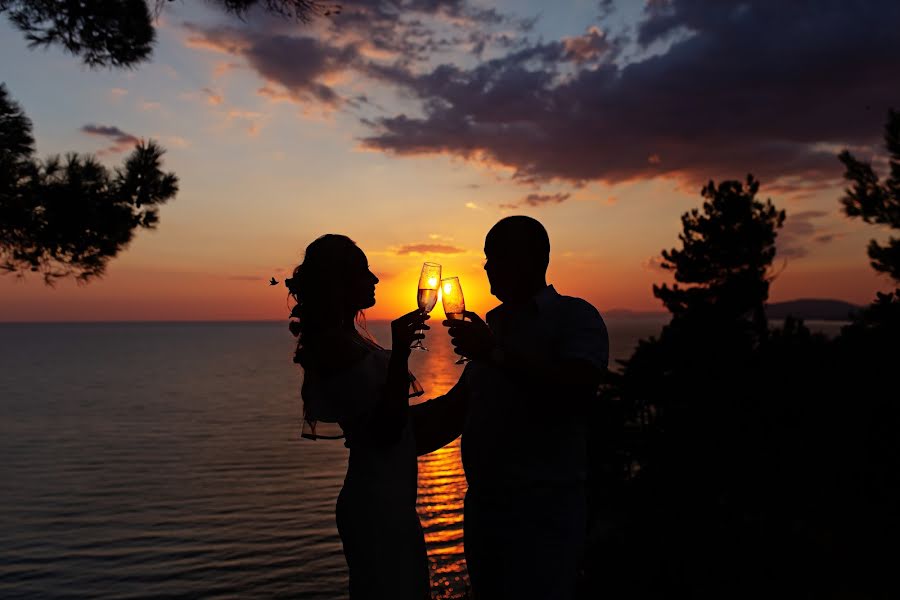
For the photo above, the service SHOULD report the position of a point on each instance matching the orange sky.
(262, 174)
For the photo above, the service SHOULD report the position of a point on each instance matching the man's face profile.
(517, 251)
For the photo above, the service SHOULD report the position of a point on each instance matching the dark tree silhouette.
(727, 250)
(69, 217)
(120, 33)
(113, 33)
(875, 201)
(677, 466)
(730, 460)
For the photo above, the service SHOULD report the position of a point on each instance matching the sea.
(164, 460)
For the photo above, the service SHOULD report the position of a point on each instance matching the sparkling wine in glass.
(454, 303)
(429, 284)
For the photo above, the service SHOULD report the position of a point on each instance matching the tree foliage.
(727, 250)
(120, 33)
(875, 201)
(115, 33)
(70, 216)
(730, 459)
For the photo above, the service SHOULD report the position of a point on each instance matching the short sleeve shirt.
(522, 432)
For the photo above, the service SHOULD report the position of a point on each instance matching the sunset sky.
(413, 132)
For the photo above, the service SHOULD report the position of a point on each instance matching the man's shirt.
(521, 432)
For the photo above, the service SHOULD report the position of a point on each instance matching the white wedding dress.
(376, 509)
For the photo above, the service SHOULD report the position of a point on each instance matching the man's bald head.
(518, 253)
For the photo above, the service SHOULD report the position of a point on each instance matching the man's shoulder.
(577, 307)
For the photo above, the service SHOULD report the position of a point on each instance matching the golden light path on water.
(442, 483)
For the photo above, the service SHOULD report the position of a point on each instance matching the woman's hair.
(319, 287)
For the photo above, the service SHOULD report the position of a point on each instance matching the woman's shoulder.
(339, 350)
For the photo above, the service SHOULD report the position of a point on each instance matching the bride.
(362, 391)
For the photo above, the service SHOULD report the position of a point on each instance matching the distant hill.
(630, 314)
(812, 309)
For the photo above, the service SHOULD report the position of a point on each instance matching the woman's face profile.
(360, 282)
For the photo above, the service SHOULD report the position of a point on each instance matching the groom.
(520, 406)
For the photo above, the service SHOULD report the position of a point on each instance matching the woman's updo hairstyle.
(319, 288)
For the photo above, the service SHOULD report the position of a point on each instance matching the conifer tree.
(727, 250)
(70, 216)
(875, 201)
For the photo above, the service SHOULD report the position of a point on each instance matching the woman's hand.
(405, 330)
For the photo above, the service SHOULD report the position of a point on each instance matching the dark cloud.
(758, 86)
(121, 140)
(298, 64)
(379, 37)
(428, 249)
(414, 30)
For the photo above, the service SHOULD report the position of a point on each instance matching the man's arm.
(439, 421)
(581, 358)
(569, 369)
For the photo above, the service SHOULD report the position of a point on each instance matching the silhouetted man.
(520, 405)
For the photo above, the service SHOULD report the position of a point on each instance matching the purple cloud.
(121, 140)
(384, 32)
(298, 64)
(756, 86)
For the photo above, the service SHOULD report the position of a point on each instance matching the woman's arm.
(392, 408)
(439, 421)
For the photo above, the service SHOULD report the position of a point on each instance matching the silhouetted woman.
(351, 381)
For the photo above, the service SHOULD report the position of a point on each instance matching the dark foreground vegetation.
(731, 459)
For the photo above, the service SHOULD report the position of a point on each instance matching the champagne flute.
(429, 283)
(454, 304)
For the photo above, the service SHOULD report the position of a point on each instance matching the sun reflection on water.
(442, 482)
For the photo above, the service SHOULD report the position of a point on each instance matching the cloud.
(213, 98)
(251, 120)
(797, 232)
(428, 249)
(590, 46)
(306, 66)
(473, 206)
(538, 200)
(296, 64)
(541, 199)
(756, 87)
(118, 92)
(121, 140)
(653, 263)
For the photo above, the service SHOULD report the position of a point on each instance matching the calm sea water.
(163, 460)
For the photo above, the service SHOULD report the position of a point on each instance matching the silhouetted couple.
(520, 406)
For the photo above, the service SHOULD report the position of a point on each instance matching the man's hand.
(473, 338)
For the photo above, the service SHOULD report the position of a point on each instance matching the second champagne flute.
(429, 283)
(454, 304)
